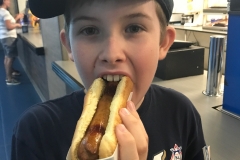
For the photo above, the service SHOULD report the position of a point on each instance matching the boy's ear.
(167, 42)
(66, 43)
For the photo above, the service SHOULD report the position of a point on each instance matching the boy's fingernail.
(124, 111)
(121, 127)
(130, 96)
(130, 106)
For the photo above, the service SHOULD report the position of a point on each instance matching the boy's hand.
(131, 135)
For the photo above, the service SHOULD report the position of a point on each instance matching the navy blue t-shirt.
(45, 131)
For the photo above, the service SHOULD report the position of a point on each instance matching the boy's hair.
(78, 3)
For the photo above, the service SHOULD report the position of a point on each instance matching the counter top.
(67, 71)
(198, 29)
(33, 38)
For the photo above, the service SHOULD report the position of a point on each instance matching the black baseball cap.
(51, 8)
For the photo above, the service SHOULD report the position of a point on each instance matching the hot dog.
(94, 136)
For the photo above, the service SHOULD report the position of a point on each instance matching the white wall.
(196, 6)
(179, 6)
(221, 3)
(182, 6)
(21, 5)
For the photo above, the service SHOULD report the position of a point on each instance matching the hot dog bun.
(90, 104)
(109, 141)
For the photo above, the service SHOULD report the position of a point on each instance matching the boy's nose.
(112, 51)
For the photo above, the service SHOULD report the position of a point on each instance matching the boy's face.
(116, 38)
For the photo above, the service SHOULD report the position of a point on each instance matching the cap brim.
(52, 8)
(47, 8)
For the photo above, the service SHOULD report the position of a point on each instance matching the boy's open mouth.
(111, 82)
(112, 78)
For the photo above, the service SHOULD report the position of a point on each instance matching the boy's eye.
(133, 29)
(89, 31)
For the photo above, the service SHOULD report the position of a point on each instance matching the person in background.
(8, 39)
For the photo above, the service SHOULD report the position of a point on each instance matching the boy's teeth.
(116, 78)
(111, 78)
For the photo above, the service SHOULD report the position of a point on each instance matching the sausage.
(94, 136)
(88, 148)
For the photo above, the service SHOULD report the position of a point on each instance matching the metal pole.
(215, 63)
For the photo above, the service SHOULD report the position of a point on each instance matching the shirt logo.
(160, 156)
(176, 152)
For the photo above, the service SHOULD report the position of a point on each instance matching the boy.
(107, 39)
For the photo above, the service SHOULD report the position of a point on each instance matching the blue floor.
(14, 100)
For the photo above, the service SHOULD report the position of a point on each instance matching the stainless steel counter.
(33, 38)
(198, 29)
(67, 71)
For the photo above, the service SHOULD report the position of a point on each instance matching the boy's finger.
(134, 125)
(132, 109)
(126, 144)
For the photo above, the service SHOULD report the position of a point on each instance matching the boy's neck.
(139, 103)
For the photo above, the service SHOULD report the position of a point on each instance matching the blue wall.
(231, 98)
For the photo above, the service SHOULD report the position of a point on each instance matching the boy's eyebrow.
(130, 16)
(86, 18)
(137, 15)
